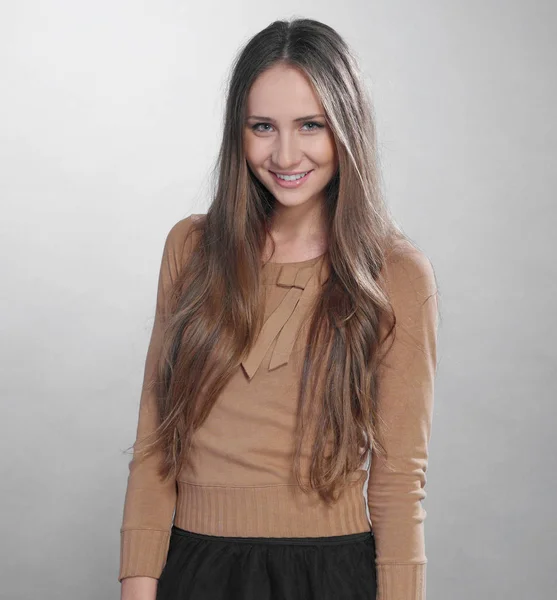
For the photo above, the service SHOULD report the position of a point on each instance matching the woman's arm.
(396, 484)
(149, 503)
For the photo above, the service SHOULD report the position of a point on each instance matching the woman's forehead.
(283, 93)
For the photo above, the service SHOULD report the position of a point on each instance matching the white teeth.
(291, 177)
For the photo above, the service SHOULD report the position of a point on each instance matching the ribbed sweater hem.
(269, 511)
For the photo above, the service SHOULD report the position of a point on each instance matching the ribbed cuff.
(143, 552)
(401, 581)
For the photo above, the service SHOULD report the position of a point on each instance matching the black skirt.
(208, 567)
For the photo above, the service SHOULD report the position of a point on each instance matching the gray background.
(110, 114)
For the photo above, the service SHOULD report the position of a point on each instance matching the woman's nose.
(287, 151)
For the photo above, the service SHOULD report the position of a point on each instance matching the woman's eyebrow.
(307, 118)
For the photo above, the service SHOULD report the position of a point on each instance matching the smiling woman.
(269, 384)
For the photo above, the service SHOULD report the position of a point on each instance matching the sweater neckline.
(298, 262)
(271, 271)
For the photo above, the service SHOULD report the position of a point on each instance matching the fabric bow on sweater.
(286, 319)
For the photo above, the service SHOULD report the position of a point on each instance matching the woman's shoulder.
(184, 233)
(182, 228)
(180, 241)
(407, 270)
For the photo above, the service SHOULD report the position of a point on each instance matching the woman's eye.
(316, 125)
(257, 125)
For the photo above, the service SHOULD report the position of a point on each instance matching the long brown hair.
(218, 307)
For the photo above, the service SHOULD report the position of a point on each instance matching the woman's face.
(286, 133)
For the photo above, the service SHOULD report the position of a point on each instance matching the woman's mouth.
(291, 181)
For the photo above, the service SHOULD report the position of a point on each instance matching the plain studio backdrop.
(110, 115)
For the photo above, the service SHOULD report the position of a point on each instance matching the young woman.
(284, 423)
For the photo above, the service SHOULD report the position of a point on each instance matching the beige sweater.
(242, 483)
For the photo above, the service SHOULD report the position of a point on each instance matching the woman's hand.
(139, 588)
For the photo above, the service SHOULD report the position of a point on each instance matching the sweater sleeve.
(396, 483)
(149, 502)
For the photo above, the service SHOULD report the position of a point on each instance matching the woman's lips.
(293, 183)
